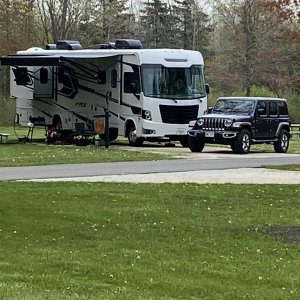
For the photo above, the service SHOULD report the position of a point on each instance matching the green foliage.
(141, 241)
(293, 99)
(257, 91)
(155, 20)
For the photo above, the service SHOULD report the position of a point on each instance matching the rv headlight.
(228, 122)
(200, 122)
(147, 115)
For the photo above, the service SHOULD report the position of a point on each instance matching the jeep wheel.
(195, 144)
(242, 143)
(282, 145)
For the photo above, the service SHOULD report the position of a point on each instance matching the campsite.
(116, 86)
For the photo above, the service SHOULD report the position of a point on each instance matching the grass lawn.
(14, 153)
(141, 241)
(290, 167)
(35, 154)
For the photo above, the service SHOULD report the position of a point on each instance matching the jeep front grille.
(213, 124)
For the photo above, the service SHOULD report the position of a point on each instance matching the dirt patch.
(289, 234)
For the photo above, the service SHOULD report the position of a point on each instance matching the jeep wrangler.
(242, 121)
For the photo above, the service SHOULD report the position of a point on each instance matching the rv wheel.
(133, 139)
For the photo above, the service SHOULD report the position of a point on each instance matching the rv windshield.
(173, 83)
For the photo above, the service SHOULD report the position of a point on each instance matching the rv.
(148, 94)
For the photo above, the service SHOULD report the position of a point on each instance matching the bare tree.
(59, 18)
(244, 32)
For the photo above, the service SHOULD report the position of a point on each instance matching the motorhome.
(149, 94)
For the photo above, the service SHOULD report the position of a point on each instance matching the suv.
(242, 121)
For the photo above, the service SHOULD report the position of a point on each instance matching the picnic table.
(3, 137)
(295, 130)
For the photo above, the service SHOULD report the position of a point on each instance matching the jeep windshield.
(234, 106)
(173, 83)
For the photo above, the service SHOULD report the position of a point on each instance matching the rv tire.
(133, 139)
(113, 134)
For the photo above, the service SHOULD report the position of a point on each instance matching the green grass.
(294, 147)
(141, 241)
(14, 153)
(291, 167)
(33, 154)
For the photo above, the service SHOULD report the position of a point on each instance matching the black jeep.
(242, 121)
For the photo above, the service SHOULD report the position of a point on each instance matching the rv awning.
(49, 60)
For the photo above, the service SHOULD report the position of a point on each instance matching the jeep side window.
(272, 109)
(282, 108)
(261, 108)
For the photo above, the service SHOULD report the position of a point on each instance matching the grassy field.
(14, 153)
(290, 167)
(34, 154)
(141, 241)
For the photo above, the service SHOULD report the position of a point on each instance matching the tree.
(59, 18)
(106, 21)
(155, 24)
(192, 24)
(244, 39)
(16, 33)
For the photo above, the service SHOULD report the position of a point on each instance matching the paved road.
(200, 162)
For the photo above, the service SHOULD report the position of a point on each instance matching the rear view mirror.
(21, 76)
(207, 88)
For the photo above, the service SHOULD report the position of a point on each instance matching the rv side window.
(101, 76)
(43, 75)
(60, 75)
(131, 83)
(21, 76)
(114, 78)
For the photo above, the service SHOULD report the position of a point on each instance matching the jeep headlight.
(200, 122)
(228, 122)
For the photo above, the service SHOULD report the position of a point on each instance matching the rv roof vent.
(51, 47)
(128, 44)
(107, 46)
(68, 45)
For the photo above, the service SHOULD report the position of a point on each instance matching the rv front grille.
(178, 114)
(213, 124)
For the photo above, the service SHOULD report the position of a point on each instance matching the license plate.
(209, 134)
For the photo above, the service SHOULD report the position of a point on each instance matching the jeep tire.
(242, 143)
(195, 144)
(282, 145)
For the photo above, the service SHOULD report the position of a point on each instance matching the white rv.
(149, 94)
